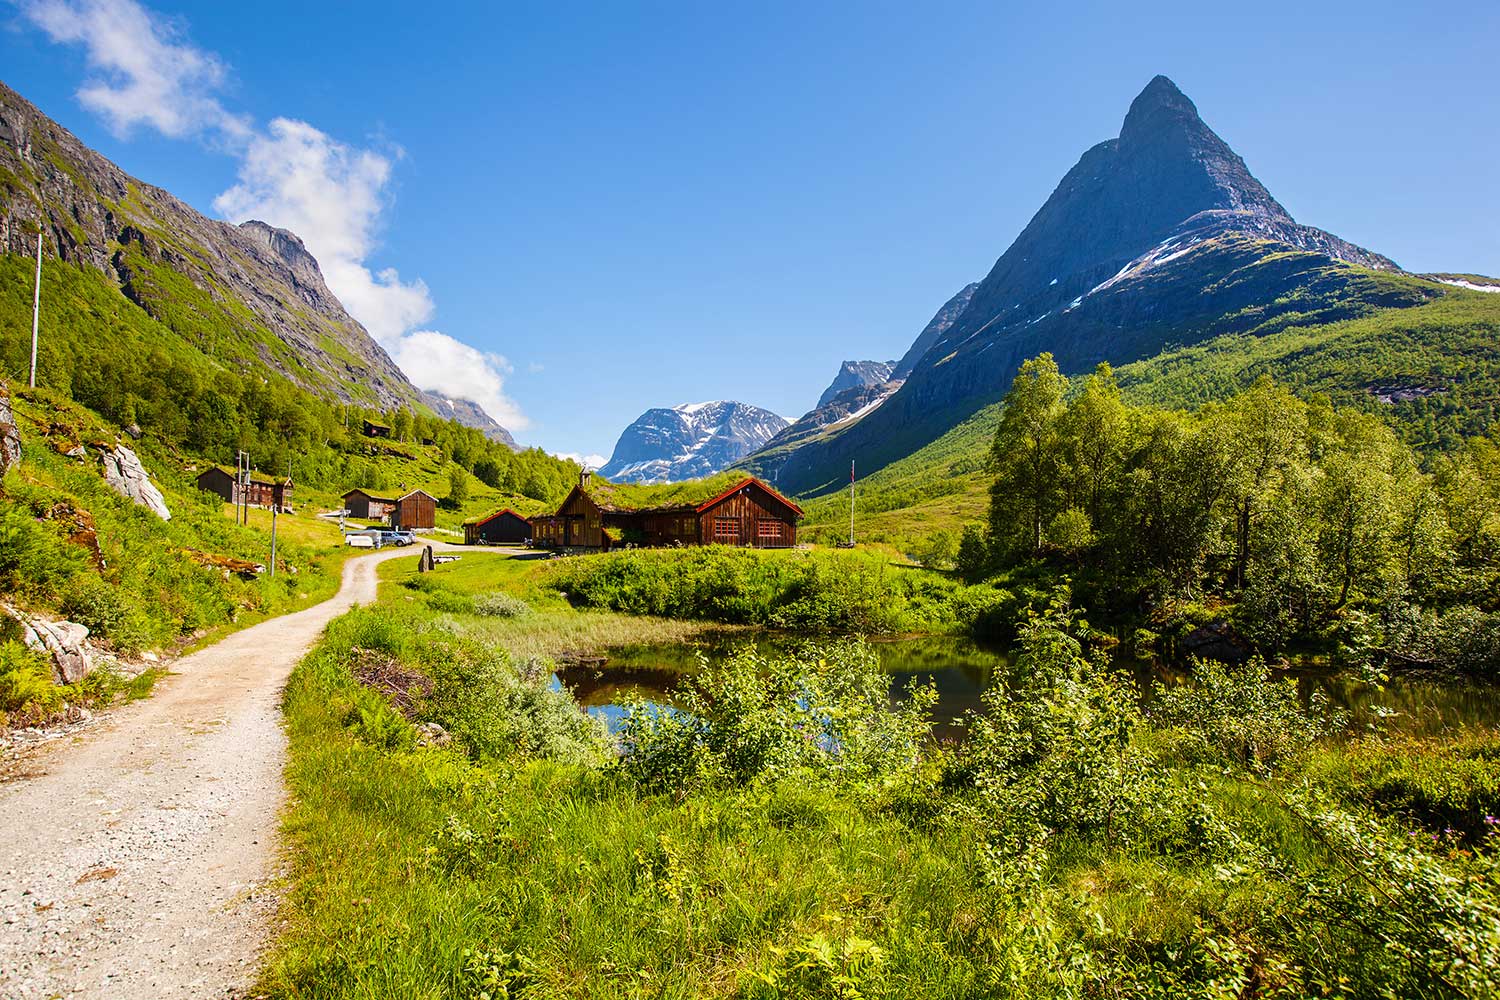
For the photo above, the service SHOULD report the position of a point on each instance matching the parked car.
(398, 538)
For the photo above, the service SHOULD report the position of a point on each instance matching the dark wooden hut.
(503, 527)
(374, 430)
(368, 507)
(256, 493)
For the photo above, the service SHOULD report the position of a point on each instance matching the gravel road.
(135, 858)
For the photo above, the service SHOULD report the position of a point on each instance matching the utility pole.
(36, 305)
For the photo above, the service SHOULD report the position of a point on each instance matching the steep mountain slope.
(251, 297)
(857, 375)
(1159, 237)
(1432, 371)
(688, 441)
(935, 328)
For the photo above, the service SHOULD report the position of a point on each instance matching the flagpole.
(851, 503)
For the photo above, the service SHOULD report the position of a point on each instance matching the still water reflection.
(962, 670)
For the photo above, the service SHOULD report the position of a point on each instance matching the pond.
(962, 670)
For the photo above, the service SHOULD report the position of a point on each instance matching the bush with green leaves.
(820, 592)
(1054, 750)
(499, 604)
(750, 718)
(1243, 714)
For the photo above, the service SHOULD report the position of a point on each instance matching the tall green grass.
(793, 835)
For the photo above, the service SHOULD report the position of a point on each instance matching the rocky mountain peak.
(857, 374)
(1160, 103)
(672, 443)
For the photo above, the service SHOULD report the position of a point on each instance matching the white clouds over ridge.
(291, 175)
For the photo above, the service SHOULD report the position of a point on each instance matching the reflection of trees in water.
(962, 670)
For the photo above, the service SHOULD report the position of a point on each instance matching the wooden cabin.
(742, 511)
(374, 430)
(415, 511)
(256, 493)
(503, 527)
(368, 507)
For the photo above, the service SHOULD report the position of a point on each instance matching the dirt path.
(134, 858)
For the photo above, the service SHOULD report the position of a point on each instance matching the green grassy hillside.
(1438, 363)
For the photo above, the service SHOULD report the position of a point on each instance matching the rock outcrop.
(67, 643)
(126, 476)
(10, 434)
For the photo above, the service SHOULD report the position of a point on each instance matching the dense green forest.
(1298, 523)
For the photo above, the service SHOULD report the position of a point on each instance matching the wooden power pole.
(36, 305)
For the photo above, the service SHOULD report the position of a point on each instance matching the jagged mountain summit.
(250, 296)
(470, 414)
(857, 375)
(935, 328)
(669, 444)
(1159, 236)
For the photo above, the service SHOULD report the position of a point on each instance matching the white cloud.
(587, 461)
(145, 73)
(291, 174)
(452, 368)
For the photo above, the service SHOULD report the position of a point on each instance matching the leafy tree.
(458, 487)
(1028, 456)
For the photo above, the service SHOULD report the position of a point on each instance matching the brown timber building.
(255, 493)
(742, 511)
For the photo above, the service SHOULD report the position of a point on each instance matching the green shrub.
(753, 718)
(26, 682)
(1243, 714)
(822, 592)
(499, 604)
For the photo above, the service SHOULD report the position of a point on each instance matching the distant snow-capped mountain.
(669, 444)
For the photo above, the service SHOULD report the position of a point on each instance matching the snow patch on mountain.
(669, 444)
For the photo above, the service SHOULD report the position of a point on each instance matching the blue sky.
(618, 206)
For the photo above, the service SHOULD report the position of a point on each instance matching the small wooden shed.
(367, 506)
(374, 430)
(503, 527)
(415, 511)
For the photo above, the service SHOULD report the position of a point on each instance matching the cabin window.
(689, 526)
(769, 531)
(726, 529)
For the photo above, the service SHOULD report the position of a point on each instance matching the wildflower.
(1490, 820)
